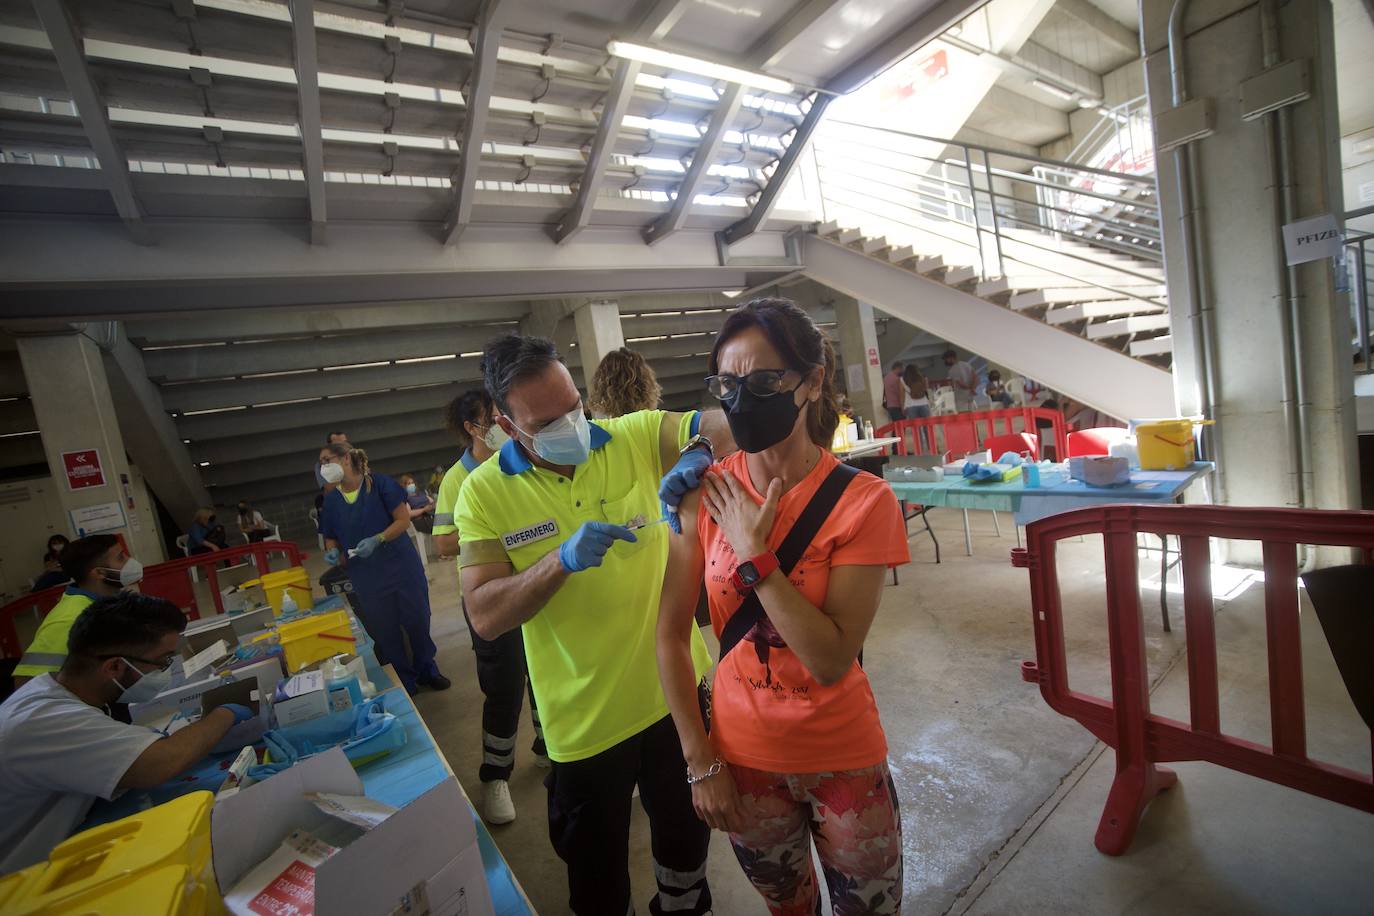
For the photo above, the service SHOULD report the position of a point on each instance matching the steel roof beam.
(768, 198)
(705, 154)
(114, 165)
(769, 49)
(926, 26)
(603, 144)
(478, 101)
(308, 99)
(1116, 33)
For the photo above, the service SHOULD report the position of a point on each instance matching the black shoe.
(437, 682)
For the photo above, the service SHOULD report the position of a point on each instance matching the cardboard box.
(429, 845)
(305, 698)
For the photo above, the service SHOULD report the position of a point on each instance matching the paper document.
(359, 810)
(205, 658)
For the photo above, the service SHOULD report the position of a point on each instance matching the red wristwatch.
(752, 572)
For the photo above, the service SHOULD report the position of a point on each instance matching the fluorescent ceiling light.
(731, 293)
(1052, 89)
(698, 66)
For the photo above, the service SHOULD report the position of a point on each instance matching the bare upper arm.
(683, 576)
(475, 576)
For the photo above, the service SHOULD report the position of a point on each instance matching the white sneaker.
(497, 807)
(542, 761)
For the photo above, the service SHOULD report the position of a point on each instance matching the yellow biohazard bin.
(275, 584)
(1167, 445)
(157, 861)
(317, 637)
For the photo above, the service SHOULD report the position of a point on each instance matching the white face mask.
(128, 575)
(410, 488)
(495, 437)
(332, 473)
(146, 688)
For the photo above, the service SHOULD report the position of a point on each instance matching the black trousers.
(589, 825)
(501, 675)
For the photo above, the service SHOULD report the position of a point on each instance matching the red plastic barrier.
(1143, 739)
(956, 434)
(170, 580)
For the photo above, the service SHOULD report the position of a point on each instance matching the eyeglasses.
(163, 665)
(763, 383)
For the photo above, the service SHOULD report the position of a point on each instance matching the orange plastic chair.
(1095, 441)
(1020, 443)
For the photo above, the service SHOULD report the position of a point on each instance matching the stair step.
(849, 236)
(928, 264)
(956, 275)
(901, 253)
(829, 229)
(1153, 346)
(1135, 324)
(873, 246)
(1072, 294)
(1103, 309)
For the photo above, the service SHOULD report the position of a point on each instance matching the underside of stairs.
(1111, 299)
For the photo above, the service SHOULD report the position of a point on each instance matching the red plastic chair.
(1095, 441)
(1020, 443)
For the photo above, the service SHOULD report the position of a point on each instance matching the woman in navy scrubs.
(366, 515)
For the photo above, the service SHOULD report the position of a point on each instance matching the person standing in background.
(892, 392)
(916, 394)
(502, 674)
(623, 383)
(421, 518)
(963, 377)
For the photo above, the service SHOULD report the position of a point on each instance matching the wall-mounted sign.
(856, 379)
(873, 358)
(95, 519)
(83, 469)
(1312, 239)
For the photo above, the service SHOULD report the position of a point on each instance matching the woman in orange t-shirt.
(795, 749)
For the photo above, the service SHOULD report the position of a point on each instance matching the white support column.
(598, 333)
(860, 364)
(76, 417)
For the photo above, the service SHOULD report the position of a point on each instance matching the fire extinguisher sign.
(83, 469)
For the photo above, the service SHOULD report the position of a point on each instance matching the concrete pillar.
(1241, 251)
(861, 366)
(76, 414)
(598, 333)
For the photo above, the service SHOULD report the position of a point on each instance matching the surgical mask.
(410, 488)
(495, 437)
(146, 688)
(759, 423)
(332, 473)
(127, 576)
(566, 440)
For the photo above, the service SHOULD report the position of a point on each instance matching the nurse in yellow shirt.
(500, 661)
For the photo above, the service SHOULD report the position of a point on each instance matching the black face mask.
(761, 423)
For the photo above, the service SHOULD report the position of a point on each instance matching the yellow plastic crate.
(314, 638)
(1166, 445)
(164, 851)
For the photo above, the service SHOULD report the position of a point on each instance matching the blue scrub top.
(395, 566)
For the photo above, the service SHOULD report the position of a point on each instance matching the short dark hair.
(949, 353)
(472, 406)
(329, 436)
(125, 624)
(58, 537)
(896, 364)
(513, 358)
(84, 554)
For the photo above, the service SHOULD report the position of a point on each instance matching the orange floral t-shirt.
(768, 712)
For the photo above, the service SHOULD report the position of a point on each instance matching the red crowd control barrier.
(1124, 721)
(957, 434)
(170, 580)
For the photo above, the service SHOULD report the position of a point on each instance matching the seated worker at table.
(545, 547)
(98, 566)
(364, 526)
(59, 748)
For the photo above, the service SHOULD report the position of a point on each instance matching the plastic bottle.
(1031, 474)
(341, 685)
(288, 603)
(868, 429)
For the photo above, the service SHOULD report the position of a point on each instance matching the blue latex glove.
(368, 546)
(589, 544)
(331, 556)
(685, 477)
(241, 713)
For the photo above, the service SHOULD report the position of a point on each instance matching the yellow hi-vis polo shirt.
(48, 650)
(447, 500)
(590, 651)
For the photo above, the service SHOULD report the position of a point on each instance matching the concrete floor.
(1000, 795)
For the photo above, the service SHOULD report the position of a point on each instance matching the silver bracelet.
(712, 770)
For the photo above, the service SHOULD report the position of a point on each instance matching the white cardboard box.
(429, 846)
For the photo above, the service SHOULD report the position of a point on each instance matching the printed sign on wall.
(83, 469)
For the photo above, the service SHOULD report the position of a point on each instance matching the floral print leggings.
(857, 827)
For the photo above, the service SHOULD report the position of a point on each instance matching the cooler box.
(1166, 445)
(316, 637)
(164, 851)
(275, 584)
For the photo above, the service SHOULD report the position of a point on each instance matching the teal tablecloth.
(1032, 503)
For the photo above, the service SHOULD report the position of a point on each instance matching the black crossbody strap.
(803, 532)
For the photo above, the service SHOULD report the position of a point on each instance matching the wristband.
(713, 770)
